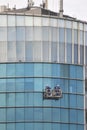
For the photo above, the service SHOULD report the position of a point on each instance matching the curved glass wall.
(36, 52)
(57, 40)
(21, 97)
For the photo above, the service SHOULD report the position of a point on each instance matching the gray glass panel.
(11, 51)
(45, 33)
(37, 36)
(69, 53)
(29, 51)
(11, 34)
(20, 34)
(75, 36)
(61, 52)
(61, 35)
(45, 51)
(3, 34)
(54, 52)
(68, 35)
(20, 51)
(81, 54)
(75, 53)
(29, 34)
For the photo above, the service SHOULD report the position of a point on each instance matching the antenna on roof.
(30, 4)
(44, 4)
(61, 8)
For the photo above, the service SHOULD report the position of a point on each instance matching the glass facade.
(35, 52)
(21, 96)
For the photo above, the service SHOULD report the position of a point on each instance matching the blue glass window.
(64, 70)
(29, 70)
(19, 126)
(38, 99)
(2, 126)
(29, 99)
(10, 97)
(56, 126)
(80, 116)
(55, 70)
(10, 114)
(64, 127)
(10, 69)
(72, 86)
(29, 114)
(80, 101)
(10, 126)
(47, 126)
(2, 70)
(38, 70)
(2, 115)
(64, 115)
(29, 126)
(2, 85)
(38, 126)
(29, 84)
(19, 114)
(80, 127)
(47, 113)
(19, 70)
(73, 127)
(72, 99)
(55, 114)
(2, 100)
(73, 116)
(38, 84)
(19, 99)
(37, 114)
(19, 84)
(10, 85)
(72, 71)
(79, 72)
(46, 70)
(80, 87)
(64, 101)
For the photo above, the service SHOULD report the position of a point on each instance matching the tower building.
(43, 58)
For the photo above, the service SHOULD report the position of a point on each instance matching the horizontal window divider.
(52, 77)
(6, 92)
(39, 121)
(43, 107)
